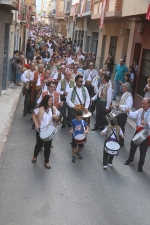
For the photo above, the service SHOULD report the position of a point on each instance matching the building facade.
(124, 33)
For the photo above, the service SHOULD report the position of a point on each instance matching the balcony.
(88, 6)
(113, 9)
(86, 11)
(33, 10)
(10, 4)
(68, 6)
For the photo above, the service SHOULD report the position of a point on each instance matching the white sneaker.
(110, 164)
(104, 167)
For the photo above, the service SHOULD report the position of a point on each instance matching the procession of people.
(61, 86)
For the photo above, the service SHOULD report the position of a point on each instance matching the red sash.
(138, 129)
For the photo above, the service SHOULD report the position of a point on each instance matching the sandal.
(47, 165)
(33, 160)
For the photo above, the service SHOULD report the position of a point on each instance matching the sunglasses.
(91, 65)
(80, 81)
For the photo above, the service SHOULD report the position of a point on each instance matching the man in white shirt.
(47, 78)
(27, 78)
(143, 122)
(68, 58)
(89, 75)
(97, 81)
(59, 75)
(51, 90)
(126, 102)
(63, 88)
(103, 98)
(78, 97)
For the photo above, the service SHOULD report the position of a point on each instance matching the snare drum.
(80, 138)
(47, 133)
(112, 148)
(140, 137)
(113, 114)
(86, 118)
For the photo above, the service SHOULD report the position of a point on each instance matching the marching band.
(61, 86)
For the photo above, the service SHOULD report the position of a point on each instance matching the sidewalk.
(8, 104)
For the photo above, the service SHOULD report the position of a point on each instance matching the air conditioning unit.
(54, 12)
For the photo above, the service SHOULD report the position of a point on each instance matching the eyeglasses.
(91, 65)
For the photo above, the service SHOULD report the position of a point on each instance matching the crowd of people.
(62, 85)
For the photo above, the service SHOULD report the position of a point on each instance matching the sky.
(38, 5)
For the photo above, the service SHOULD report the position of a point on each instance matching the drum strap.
(78, 96)
(113, 132)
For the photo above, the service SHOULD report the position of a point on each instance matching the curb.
(5, 130)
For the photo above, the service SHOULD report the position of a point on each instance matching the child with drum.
(111, 145)
(79, 130)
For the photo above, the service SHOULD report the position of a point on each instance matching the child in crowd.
(78, 126)
(112, 131)
(127, 77)
(18, 72)
(147, 89)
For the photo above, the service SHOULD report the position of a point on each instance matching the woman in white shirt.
(44, 114)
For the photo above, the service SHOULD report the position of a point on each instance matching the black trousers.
(122, 119)
(67, 118)
(27, 103)
(143, 149)
(107, 158)
(90, 89)
(100, 114)
(39, 144)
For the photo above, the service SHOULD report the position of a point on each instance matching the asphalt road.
(70, 194)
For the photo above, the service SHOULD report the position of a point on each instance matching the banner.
(148, 13)
(19, 9)
(74, 13)
(102, 14)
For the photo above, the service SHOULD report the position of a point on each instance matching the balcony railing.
(11, 4)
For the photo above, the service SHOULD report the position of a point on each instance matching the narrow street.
(70, 194)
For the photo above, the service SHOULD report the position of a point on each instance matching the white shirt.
(58, 89)
(114, 129)
(109, 97)
(40, 98)
(23, 77)
(135, 115)
(129, 103)
(80, 57)
(47, 118)
(76, 101)
(38, 80)
(53, 72)
(69, 60)
(55, 77)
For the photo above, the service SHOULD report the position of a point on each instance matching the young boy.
(78, 126)
(112, 132)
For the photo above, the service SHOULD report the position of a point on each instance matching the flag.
(148, 13)
(81, 8)
(102, 14)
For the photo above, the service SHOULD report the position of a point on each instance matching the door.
(102, 51)
(5, 60)
(87, 43)
(94, 42)
(113, 45)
